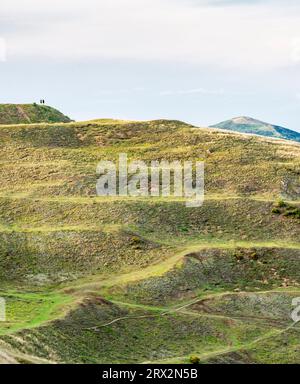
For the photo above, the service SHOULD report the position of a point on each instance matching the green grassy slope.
(30, 113)
(86, 277)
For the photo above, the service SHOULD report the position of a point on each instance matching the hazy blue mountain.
(245, 124)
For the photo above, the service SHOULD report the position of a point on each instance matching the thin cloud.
(202, 91)
(240, 2)
(3, 50)
(244, 36)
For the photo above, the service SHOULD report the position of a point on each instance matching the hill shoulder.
(30, 114)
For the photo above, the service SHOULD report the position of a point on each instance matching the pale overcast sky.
(201, 61)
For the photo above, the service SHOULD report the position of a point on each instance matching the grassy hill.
(253, 126)
(30, 113)
(86, 277)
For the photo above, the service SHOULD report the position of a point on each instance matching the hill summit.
(246, 124)
(30, 113)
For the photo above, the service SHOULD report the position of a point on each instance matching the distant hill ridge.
(30, 113)
(246, 124)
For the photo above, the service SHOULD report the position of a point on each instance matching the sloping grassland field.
(92, 279)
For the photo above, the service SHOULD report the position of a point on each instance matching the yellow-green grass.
(29, 310)
(30, 113)
(60, 245)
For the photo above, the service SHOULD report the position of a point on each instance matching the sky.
(200, 61)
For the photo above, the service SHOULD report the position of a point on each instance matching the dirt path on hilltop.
(23, 113)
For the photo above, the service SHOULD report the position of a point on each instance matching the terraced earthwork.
(85, 278)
